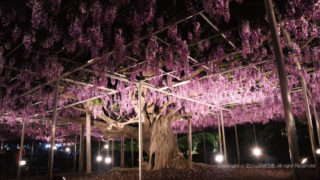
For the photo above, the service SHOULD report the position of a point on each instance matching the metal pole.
(53, 129)
(305, 96)
(255, 135)
(112, 153)
(204, 147)
(122, 152)
(108, 149)
(237, 142)
(140, 131)
(81, 149)
(99, 154)
(99, 149)
(21, 148)
(316, 119)
(88, 141)
(286, 100)
(75, 154)
(219, 131)
(32, 149)
(309, 118)
(189, 143)
(224, 139)
(132, 162)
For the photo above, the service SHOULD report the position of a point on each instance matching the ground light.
(219, 158)
(256, 151)
(318, 151)
(106, 146)
(107, 160)
(67, 149)
(99, 158)
(304, 160)
(47, 146)
(22, 163)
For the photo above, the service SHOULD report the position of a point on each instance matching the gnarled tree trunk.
(164, 150)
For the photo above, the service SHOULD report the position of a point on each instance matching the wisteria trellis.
(41, 42)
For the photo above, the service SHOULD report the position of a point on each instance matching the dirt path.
(198, 172)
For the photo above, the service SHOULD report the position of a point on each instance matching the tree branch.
(162, 110)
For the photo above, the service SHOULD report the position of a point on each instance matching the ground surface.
(198, 172)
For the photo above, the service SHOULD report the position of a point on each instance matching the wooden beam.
(216, 28)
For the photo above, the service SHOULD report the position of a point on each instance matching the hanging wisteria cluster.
(139, 41)
(41, 132)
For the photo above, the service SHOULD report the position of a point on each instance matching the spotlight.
(106, 146)
(107, 160)
(318, 151)
(99, 158)
(304, 160)
(47, 146)
(67, 149)
(22, 163)
(219, 158)
(256, 151)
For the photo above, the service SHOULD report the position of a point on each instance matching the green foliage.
(96, 102)
(127, 145)
(116, 107)
(211, 138)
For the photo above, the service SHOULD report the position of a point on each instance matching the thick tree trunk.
(164, 151)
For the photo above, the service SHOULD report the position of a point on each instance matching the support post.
(290, 123)
(140, 132)
(132, 159)
(2, 144)
(305, 96)
(224, 139)
(21, 148)
(237, 142)
(122, 152)
(81, 149)
(204, 148)
(219, 131)
(309, 118)
(53, 129)
(316, 119)
(88, 141)
(32, 150)
(75, 154)
(112, 153)
(189, 143)
(255, 135)
(99, 154)
(108, 149)
(99, 149)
